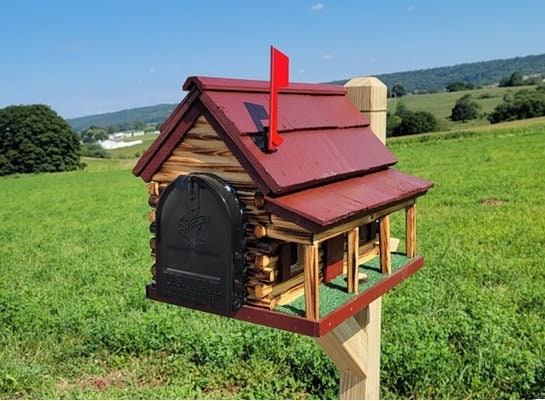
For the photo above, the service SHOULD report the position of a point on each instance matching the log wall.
(203, 151)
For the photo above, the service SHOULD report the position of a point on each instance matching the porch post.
(311, 266)
(410, 230)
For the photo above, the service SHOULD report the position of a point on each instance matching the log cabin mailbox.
(271, 205)
(280, 238)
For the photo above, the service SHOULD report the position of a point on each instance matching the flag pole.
(279, 77)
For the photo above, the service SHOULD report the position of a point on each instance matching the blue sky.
(84, 57)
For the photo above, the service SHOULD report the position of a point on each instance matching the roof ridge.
(204, 83)
(323, 127)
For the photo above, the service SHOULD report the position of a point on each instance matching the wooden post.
(384, 238)
(354, 345)
(352, 253)
(369, 95)
(410, 230)
(311, 265)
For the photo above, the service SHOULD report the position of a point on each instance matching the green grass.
(441, 104)
(74, 321)
(473, 319)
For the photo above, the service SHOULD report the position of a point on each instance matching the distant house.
(109, 144)
(125, 134)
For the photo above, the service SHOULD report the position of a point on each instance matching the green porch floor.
(334, 294)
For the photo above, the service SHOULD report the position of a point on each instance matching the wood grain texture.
(352, 257)
(354, 347)
(410, 230)
(346, 345)
(384, 244)
(312, 281)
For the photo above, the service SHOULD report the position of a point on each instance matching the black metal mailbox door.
(200, 244)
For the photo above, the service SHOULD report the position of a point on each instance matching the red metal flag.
(279, 78)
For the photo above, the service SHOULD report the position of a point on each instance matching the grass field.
(74, 322)
(441, 104)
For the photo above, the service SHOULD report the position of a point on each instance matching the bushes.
(407, 122)
(94, 150)
(456, 86)
(524, 104)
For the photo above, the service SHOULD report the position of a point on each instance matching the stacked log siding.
(201, 150)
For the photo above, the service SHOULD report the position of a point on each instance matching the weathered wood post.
(354, 346)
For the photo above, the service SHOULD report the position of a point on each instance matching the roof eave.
(147, 165)
(318, 209)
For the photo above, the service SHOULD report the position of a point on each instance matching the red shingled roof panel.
(295, 111)
(319, 208)
(308, 158)
(325, 136)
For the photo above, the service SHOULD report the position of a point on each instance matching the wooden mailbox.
(307, 215)
(297, 238)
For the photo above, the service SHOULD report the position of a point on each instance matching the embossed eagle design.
(190, 227)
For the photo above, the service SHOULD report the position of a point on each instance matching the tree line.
(482, 73)
(124, 119)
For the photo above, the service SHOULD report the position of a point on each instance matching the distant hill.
(430, 80)
(124, 118)
(483, 73)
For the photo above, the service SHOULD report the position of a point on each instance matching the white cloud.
(151, 70)
(327, 56)
(317, 7)
(410, 8)
(72, 46)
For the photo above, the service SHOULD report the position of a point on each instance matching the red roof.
(327, 141)
(347, 199)
(325, 137)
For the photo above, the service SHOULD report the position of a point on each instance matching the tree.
(398, 90)
(138, 126)
(33, 138)
(465, 109)
(456, 86)
(392, 123)
(407, 122)
(401, 109)
(112, 129)
(94, 150)
(515, 79)
(417, 122)
(93, 134)
(413, 122)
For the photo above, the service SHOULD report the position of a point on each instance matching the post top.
(365, 81)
